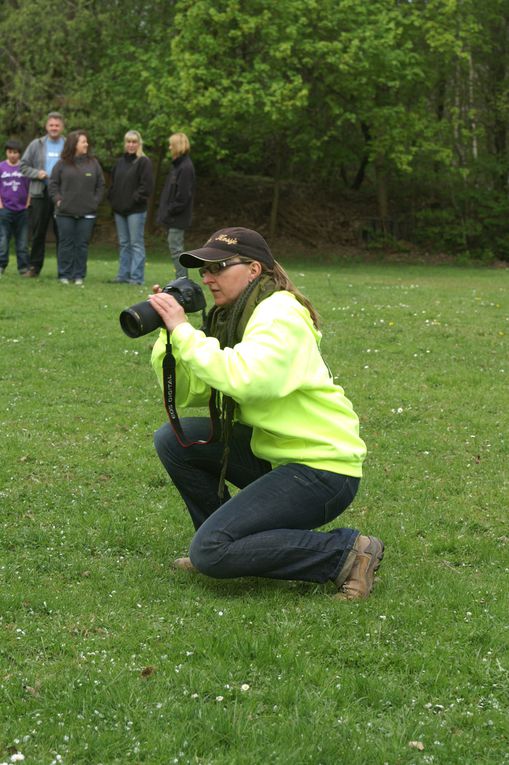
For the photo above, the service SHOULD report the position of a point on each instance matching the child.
(14, 201)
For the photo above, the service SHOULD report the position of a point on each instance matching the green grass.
(108, 656)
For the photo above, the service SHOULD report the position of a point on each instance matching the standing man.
(37, 162)
(176, 203)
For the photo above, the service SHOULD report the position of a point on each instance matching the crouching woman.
(288, 436)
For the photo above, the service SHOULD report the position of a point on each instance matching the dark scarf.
(228, 324)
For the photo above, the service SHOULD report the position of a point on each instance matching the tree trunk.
(275, 196)
(499, 83)
(382, 195)
(471, 107)
(361, 172)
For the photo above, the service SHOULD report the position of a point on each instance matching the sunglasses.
(215, 268)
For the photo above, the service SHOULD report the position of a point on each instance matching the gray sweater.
(32, 162)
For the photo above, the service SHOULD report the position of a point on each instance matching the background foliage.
(407, 102)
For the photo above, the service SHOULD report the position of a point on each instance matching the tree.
(409, 97)
(236, 84)
(91, 60)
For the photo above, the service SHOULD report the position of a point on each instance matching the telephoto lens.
(140, 319)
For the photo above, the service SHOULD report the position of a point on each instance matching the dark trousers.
(74, 236)
(14, 224)
(41, 213)
(267, 528)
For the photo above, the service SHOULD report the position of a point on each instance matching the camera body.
(140, 319)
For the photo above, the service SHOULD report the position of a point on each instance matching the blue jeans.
(176, 245)
(14, 224)
(130, 231)
(266, 529)
(73, 238)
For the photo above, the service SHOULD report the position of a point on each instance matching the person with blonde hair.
(132, 183)
(280, 428)
(176, 202)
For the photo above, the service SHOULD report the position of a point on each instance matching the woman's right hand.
(168, 309)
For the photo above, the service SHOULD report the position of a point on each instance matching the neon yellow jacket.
(280, 383)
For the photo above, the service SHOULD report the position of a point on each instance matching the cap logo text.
(226, 239)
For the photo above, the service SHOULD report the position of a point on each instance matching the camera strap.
(169, 394)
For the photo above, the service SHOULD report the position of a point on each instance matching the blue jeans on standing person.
(14, 223)
(266, 529)
(73, 238)
(176, 245)
(130, 232)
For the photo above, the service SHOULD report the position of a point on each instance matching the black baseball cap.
(229, 243)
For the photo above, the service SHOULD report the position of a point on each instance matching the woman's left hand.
(168, 309)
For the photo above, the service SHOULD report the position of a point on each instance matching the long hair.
(135, 135)
(69, 150)
(283, 282)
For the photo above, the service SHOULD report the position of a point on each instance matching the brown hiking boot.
(31, 273)
(184, 564)
(358, 581)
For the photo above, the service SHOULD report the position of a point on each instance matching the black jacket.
(176, 202)
(132, 182)
(77, 188)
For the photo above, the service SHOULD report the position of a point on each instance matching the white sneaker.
(78, 282)
(64, 281)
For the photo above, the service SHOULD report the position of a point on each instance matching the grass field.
(107, 656)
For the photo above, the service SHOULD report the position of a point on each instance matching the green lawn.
(107, 656)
